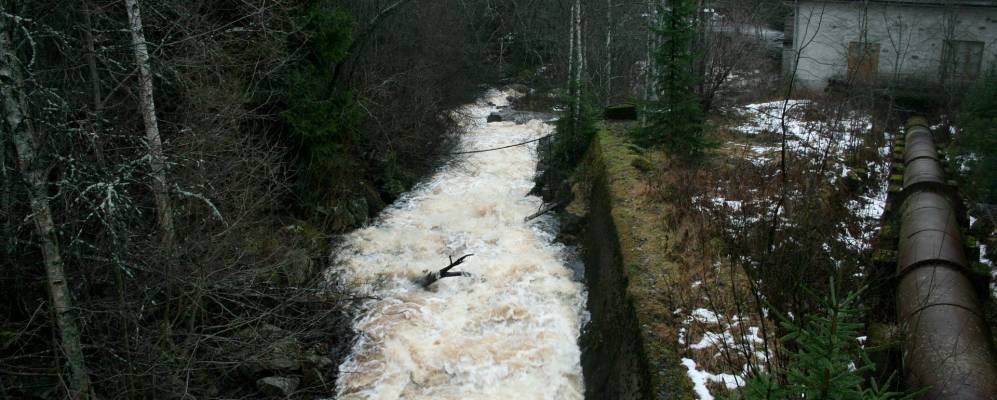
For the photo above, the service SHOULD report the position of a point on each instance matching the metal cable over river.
(510, 330)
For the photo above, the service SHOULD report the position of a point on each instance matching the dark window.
(961, 60)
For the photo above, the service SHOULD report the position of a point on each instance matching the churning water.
(510, 331)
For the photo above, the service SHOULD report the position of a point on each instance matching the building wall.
(911, 39)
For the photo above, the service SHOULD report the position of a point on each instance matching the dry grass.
(691, 234)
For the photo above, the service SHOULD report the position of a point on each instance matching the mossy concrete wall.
(627, 349)
(613, 358)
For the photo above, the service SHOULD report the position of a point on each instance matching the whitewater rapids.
(510, 331)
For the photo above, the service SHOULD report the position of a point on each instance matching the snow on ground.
(700, 378)
(805, 134)
(993, 271)
(767, 117)
(813, 133)
(810, 135)
(722, 337)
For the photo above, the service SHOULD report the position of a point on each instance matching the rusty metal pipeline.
(947, 345)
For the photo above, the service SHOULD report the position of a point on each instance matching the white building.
(883, 42)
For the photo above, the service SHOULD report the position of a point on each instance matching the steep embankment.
(629, 347)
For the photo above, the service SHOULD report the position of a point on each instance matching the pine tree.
(675, 118)
(976, 144)
(828, 361)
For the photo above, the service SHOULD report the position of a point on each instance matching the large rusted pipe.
(947, 348)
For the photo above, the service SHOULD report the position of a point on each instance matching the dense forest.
(175, 174)
(178, 167)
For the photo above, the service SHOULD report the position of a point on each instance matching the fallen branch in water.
(434, 276)
(543, 210)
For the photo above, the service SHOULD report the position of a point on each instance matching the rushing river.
(508, 332)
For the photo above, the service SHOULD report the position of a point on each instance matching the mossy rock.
(642, 164)
(296, 269)
(374, 201)
(621, 112)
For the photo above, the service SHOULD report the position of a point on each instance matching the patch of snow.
(745, 344)
(732, 204)
(701, 378)
(803, 136)
(704, 315)
(711, 339)
(993, 271)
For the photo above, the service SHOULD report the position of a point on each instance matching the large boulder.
(297, 268)
(493, 117)
(277, 386)
(273, 350)
(315, 367)
(519, 88)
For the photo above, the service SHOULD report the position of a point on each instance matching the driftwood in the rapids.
(434, 276)
(543, 210)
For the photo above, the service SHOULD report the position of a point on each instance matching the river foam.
(510, 331)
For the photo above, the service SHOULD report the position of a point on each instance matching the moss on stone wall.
(630, 347)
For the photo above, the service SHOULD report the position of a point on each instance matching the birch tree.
(157, 161)
(18, 126)
(578, 62)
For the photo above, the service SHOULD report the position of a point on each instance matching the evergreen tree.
(828, 361)
(675, 118)
(977, 143)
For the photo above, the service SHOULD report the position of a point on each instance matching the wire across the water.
(501, 148)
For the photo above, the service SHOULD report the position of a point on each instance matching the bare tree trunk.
(21, 131)
(578, 34)
(609, 51)
(571, 52)
(98, 102)
(157, 161)
(6, 202)
(92, 57)
(649, 68)
(579, 64)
